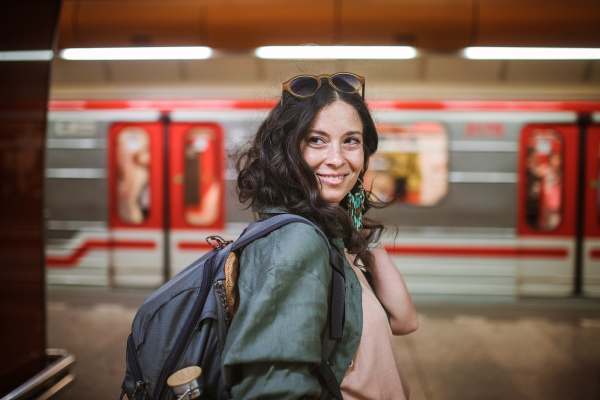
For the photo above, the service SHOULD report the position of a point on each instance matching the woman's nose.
(335, 156)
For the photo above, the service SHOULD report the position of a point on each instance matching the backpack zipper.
(134, 364)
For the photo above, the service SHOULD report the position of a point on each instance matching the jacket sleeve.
(274, 340)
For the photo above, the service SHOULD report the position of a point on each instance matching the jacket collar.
(258, 208)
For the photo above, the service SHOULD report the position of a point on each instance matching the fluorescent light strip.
(27, 55)
(336, 52)
(531, 53)
(138, 53)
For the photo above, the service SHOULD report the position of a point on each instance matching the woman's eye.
(353, 140)
(315, 140)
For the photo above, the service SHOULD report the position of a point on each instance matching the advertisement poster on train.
(544, 180)
(411, 164)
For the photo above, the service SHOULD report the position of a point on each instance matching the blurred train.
(491, 197)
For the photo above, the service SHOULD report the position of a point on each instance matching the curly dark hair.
(273, 172)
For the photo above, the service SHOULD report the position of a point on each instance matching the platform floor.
(466, 348)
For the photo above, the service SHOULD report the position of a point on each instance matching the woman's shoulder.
(296, 245)
(299, 240)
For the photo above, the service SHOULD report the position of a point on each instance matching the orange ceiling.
(439, 25)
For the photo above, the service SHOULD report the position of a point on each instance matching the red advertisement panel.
(135, 175)
(548, 180)
(592, 183)
(197, 181)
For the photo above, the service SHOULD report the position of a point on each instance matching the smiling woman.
(333, 149)
(309, 158)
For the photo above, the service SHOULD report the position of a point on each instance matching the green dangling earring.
(356, 206)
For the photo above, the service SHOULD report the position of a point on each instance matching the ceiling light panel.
(336, 52)
(137, 53)
(531, 53)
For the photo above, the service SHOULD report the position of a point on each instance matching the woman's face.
(333, 148)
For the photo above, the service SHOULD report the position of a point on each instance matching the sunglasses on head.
(304, 86)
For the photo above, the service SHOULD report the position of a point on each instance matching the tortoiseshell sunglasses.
(304, 86)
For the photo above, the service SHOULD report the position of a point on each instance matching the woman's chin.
(333, 198)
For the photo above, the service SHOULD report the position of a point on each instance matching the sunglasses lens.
(304, 86)
(346, 82)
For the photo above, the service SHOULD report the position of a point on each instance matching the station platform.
(466, 348)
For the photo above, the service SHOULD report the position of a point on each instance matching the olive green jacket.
(274, 341)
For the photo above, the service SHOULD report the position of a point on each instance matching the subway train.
(490, 197)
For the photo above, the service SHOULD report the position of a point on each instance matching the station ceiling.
(241, 25)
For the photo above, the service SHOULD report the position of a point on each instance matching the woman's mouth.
(332, 179)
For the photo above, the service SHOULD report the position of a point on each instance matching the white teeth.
(333, 178)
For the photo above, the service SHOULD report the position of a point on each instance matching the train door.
(197, 190)
(591, 243)
(136, 211)
(150, 217)
(547, 209)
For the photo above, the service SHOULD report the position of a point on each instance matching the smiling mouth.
(332, 179)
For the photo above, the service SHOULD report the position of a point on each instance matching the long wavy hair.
(273, 172)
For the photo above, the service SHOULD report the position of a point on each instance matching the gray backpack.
(185, 322)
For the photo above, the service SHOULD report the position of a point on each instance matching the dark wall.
(24, 25)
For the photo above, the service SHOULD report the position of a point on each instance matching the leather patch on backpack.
(232, 273)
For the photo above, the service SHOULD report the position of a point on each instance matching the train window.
(201, 185)
(544, 180)
(133, 184)
(411, 163)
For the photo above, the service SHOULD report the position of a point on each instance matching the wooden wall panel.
(432, 24)
(243, 24)
(544, 23)
(23, 103)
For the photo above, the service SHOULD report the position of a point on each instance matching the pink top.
(375, 371)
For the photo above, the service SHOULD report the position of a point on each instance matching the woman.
(308, 158)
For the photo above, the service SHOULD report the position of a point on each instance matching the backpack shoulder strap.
(331, 344)
(259, 229)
